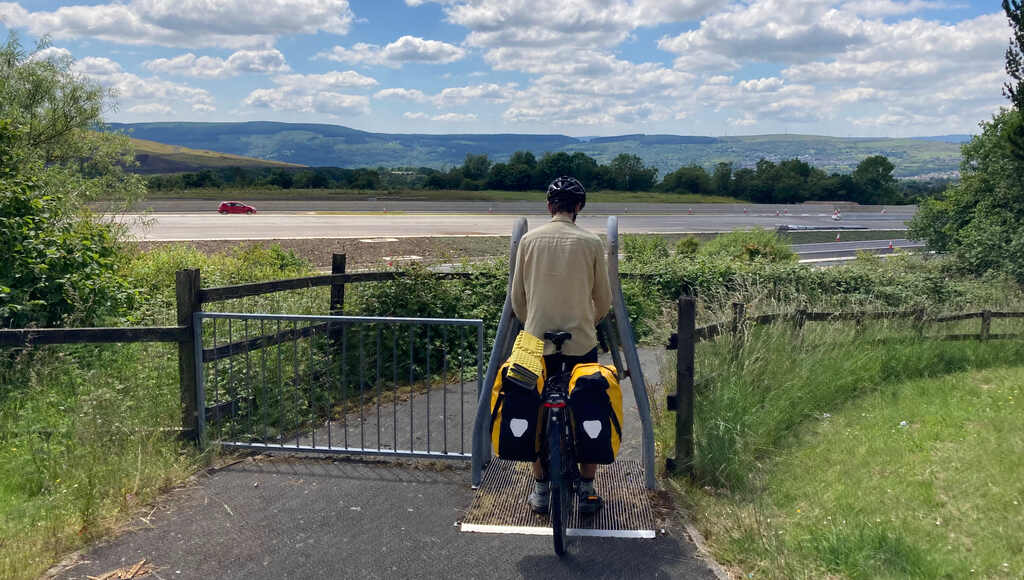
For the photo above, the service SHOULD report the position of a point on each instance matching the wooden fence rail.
(23, 337)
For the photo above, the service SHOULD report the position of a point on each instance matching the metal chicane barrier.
(405, 387)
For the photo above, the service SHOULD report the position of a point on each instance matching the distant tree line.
(263, 177)
(788, 181)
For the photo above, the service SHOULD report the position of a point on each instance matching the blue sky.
(576, 67)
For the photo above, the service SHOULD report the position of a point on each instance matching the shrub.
(687, 246)
(749, 245)
(58, 267)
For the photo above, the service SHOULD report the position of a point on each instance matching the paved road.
(446, 221)
(293, 517)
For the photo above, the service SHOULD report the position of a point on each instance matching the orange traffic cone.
(490, 210)
(777, 213)
(837, 237)
(890, 244)
(690, 211)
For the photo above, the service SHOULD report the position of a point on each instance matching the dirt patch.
(362, 254)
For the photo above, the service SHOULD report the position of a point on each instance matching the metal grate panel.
(499, 505)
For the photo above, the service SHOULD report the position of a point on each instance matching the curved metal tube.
(636, 375)
(508, 328)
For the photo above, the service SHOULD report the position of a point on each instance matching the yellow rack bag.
(595, 399)
(515, 401)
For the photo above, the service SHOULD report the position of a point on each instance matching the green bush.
(58, 267)
(687, 246)
(749, 245)
(643, 249)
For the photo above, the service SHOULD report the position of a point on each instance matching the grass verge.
(873, 455)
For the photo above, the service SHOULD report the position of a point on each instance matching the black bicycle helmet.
(568, 189)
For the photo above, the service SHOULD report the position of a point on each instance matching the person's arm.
(517, 290)
(602, 288)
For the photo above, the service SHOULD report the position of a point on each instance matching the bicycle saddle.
(557, 338)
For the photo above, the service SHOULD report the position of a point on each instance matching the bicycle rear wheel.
(559, 509)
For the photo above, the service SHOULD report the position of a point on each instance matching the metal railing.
(386, 386)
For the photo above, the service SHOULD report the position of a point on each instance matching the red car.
(235, 207)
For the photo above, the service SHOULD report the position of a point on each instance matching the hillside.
(156, 157)
(335, 145)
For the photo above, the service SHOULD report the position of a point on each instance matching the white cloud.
(890, 7)
(243, 61)
(454, 96)
(185, 23)
(575, 23)
(315, 93)
(324, 102)
(131, 87)
(407, 94)
(454, 117)
(151, 108)
(203, 108)
(407, 49)
(767, 30)
(442, 118)
(327, 81)
(462, 95)
(51, 53)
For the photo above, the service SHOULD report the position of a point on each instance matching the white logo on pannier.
(518, 426)
(593, 428)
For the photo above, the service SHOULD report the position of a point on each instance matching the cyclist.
(561, 283)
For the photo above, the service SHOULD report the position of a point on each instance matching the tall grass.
(89, 433)
(86, 433)
(749, 406)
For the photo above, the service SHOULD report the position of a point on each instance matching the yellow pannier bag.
(515, 415)
(595, 400)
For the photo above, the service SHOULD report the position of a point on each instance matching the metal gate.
(385, 386)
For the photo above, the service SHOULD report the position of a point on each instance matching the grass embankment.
(606, 196)
(874, 455)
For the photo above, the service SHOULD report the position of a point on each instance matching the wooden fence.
(688, 334)
(191, 297)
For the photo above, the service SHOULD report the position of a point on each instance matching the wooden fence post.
(187, 284)
(337, 288)
(800, 318)
(739, 312)
(986, 324)
(687, 340)
(919, 318)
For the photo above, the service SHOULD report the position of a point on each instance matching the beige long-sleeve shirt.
(561, 283)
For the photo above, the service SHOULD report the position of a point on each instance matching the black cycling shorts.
(561, 363)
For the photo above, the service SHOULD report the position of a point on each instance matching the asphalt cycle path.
(289, 516)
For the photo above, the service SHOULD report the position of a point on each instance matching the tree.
(1014, 89)
(476, 167)
(690, 179)
(630, 173)
(55, 116)
(721, 179)
(59, 263)
(874, 177)
(980, 220)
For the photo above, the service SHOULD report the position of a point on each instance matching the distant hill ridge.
(339, 146)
